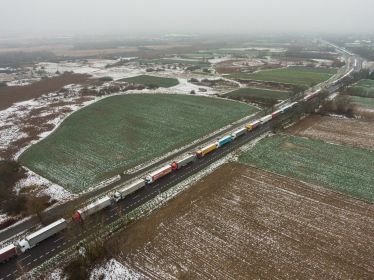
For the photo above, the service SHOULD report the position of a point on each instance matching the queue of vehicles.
(35, 238)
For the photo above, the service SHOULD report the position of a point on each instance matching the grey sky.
(51, 17)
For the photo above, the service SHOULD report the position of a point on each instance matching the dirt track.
(243, 223)
(343, 131)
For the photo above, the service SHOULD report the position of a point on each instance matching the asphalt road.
(60, 242)
(54, 245)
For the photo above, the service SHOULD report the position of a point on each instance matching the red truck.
(7, 253)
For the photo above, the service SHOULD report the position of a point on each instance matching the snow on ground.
(114, 270)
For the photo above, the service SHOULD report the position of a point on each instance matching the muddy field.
(344, 131)
(11, 95)
(244, 223)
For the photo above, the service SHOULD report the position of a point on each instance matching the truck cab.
(117, 196)
(24, 245)
(76, 217)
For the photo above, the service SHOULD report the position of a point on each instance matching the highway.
(60, 242)
(54, 245)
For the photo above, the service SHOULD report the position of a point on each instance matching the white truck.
(129, 189)
(154, 176)
(182, 162)
(42, 234)
(237, 133)
(266, 119)
(83, 213)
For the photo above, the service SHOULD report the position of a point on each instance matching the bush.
(3, 84)
(16, 205)
(149, 70)
(75, 271)
(10, 173)
(192, 92)
(193, 80)
(106, 79)
(152, 86)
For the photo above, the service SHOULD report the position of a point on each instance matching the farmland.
(247, 52)
(291, 75)
(120, 132)
(351, 132)
(366, 84)
(244, 223)
(175, 61)
(364, 102)
(243, 92)
(342, 169)
(146, 80)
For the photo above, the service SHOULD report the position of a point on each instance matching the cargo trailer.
(158, 174)
(90, 209)
(182, 162)
(253, 125)
(129, 189)
(42, 234)
(276, 114)
(224, 140)
(237, 133)
(206, 150)
(266, 119)
(284, 109)
(293, 104)
(8, 253)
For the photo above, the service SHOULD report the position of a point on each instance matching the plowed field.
(244, 223)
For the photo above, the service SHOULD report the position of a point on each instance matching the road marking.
(136, 196)
(113, 209)
(58, 247)
(154, 186)
(58, 239)
(107, 219)
(47, 253)
(111, 216)
(52, 250)
(172, 176)
(41, 256)
(63, 244)
(15, 271)
(35, 260)
(25, 257)
(8, 275)
(78, 235)
(28, 263)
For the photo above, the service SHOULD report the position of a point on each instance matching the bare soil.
(353, 132)
(244, 223)
(13, 94)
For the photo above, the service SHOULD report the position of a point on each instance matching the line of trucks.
(35, 238)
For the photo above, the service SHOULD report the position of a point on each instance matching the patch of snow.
(114, 270)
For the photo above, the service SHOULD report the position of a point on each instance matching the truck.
(129, 189)
(8, 253)
(276, 114)
(237, 133)
(253, 125)
(206, 150)
(90, 209)
(266, 119)
(182, 162)
(35, 238)
(224, 140)
(158, 174)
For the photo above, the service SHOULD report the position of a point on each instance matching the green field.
(197, 55)
(366, 84)
(346, 170)
(281, 95)
(291, 75)
(364, 102)
(175, 61)
(146, 80)
(119, 132)
(241, 52)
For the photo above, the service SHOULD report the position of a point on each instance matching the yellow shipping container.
(207, 150)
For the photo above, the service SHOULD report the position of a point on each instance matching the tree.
(313, 84)
(270, 103)
(322, 96)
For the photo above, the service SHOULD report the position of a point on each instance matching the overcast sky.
(71, 17)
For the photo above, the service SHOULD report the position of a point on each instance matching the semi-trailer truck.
(266, 119)
(206, 150)
(83, 213)
(253, 125)
(129, 189)
(237, 133)
(182, 162)
(35, 238)
(158, 174)
(224, 140)
(8, 253)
